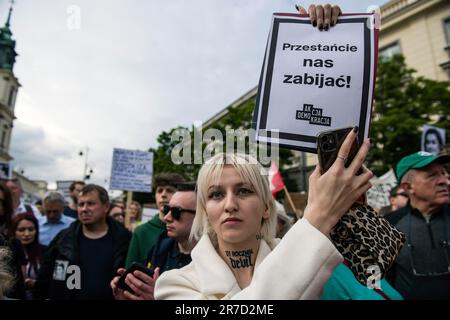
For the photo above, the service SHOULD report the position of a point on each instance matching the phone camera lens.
(325, 146)
(324, 138)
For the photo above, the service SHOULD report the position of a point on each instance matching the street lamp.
(86, 172)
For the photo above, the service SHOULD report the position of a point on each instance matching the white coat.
(296, 267)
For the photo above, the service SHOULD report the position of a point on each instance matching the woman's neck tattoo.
(240, 259)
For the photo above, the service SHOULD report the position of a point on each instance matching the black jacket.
(427, 251)
(64, 247)
(166, 255)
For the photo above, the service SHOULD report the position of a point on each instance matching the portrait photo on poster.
(433, 139)
(314, 81)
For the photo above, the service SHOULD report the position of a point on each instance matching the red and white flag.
(275, 179)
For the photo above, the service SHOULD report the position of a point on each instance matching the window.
(391, 50)
(446, 65)
(11, 97)
(447, 30)
(3, 139)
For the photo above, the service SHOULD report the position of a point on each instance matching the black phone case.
(328, 145)
(135, 266)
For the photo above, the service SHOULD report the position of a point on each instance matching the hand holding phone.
(328, 145)
(135, 266)
(332, 193)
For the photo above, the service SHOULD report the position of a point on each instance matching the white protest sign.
(5, 170)
(315, 81)
(63, 187)
(378, 194)
(148, 214)
(433, 139)
(131, 170)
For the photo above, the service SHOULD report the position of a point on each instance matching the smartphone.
(328, 145)
(135, 266)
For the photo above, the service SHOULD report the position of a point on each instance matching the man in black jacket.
(422, 269)
(82, 259)
(171, 251)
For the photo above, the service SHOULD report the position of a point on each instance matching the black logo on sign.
(313, 115)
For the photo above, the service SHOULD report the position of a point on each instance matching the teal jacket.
(343, 285)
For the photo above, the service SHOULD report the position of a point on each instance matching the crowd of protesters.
(189, 247)
(223, 236)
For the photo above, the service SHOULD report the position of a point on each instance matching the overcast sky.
(132, 69)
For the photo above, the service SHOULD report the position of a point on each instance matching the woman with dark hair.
(25, 228)
(432, 141)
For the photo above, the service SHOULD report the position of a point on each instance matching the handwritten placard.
(131, 170)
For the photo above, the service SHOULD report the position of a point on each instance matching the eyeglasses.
(176, 211)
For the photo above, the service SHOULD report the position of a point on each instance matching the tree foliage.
(403, 104)
(162, 155)
(236, 118)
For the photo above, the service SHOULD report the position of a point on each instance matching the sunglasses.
(176, 211)
(401, 194)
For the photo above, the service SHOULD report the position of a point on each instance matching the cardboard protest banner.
(378, 194)
(433, 139)
(314, 81)
(63, 187)
(148, 214)
(5, 170)
(131, 170)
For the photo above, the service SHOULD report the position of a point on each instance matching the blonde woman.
(133, 217)
(237, 255)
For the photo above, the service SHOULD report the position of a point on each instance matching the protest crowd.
(221, 236)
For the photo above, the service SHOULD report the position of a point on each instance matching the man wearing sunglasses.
(146, 234)
(422, 269)
(171, 251)
(398, 198)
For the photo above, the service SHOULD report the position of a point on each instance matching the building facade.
(420, 30)
(9, 86)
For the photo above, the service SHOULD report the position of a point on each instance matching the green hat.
(416, 161)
